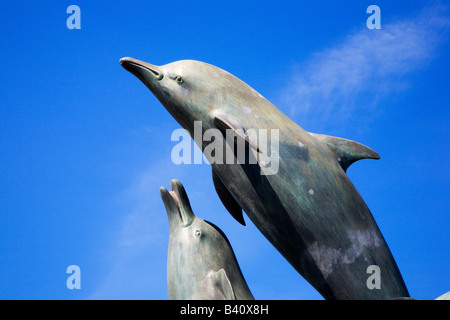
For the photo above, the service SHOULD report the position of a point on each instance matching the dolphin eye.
(198, 233)
(179, 79)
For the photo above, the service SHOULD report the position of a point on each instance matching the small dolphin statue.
(308, 209)
(201, 264)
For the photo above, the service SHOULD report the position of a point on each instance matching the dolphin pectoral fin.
(227, 199)
(347, 151)
(224, 122)
(222, 284)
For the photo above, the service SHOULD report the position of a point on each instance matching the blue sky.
(85, 146)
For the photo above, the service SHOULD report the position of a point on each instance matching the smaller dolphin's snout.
(177, 204)
(138, 67)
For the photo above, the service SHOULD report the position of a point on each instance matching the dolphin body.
(309, 210)
(201, 264)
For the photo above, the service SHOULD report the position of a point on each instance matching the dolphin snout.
(138, 67)
(177, 204)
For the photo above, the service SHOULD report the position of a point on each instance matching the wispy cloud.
(352, 77)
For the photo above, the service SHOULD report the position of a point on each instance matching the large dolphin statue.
(201, 264)
(308, 208)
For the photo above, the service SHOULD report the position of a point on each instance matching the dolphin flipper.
(227, 199)
(219, 280)
(224, 122)
(347, 151)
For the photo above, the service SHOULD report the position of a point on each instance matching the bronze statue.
(308, 208)
(201, 264)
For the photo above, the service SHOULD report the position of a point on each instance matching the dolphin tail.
(445, 296)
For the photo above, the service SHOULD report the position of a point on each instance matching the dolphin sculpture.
(309, 210)
(201, 264)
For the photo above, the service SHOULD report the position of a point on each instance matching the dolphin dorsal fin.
(222, 284)
(347, 151)
(227, 199)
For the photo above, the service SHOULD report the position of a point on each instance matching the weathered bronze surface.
(201, 264)
(309, 210)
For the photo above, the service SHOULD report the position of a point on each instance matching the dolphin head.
(177, 206)
(182, 221)
(190, 90)
(196, 247)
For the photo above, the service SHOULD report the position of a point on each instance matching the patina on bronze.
(201, 264)
(309, 210)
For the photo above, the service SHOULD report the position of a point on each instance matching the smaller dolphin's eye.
(198, 233)
(179, 79)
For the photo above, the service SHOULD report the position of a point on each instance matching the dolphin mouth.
(136, 67)
(172, 204)
(177, 204)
